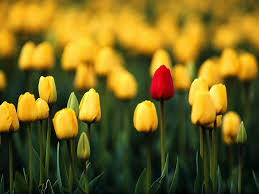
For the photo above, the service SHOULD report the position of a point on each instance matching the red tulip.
(162, 87)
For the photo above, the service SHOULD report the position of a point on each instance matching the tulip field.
(136, 96)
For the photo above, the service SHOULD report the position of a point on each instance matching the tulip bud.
(47, 89)
(85, 77)
(203, 109)
(27, 108)
(218, 122)
(42, 109)
(25, 59)
(145, 117)
(113, 76)
(198, 84)
(70, 57)
(162, 87)
(83, 148)
(181, 78)
(65, 124)
(43, 56)
(241, 135)
(160, 57)
(89, 108)
(73, 103)
(8, 118)
(230, 126)
(247, 69)
(2, 80)
(228, 63)
(7, 43)
(209, 72)
(125, 87)
(16, 14)
(218, 93)
(86, 50)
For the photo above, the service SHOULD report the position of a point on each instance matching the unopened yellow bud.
(43, 56)
(2, 80)
(228, 63)
(218, 93)
(89, 108)
(145, 117)
(8, 118)
(199, 84)
(25, 59)
(47, 89)
(65, 124)
(247, 69)
(42, 109)
(7, 43)
(85, 77)
(181, 78)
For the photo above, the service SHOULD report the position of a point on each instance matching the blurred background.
(110, 45)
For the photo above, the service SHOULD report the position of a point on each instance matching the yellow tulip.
(218, 93)
(247, 69)
(228, 63)
(65, 124)
(7, 43)
(2, 80)
(209, 72)
(181, 78)
(42, 109)
(230, 126)
(199, 84)
(125, 87)
(203, 109)
(27, 108)
(145, 117)
(25, 59)
(47, 89)
(113, 75)
(218, 122)
(86, 50)
(16, 15)
(85, 77)
(8, 118)
(160, 57)
(105, 60)
(89, 108)
(43, 56)
(70, 57)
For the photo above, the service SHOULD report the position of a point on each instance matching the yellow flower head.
(160, 57)
(145, 117)
(85, 77)
(43, 56)
(8, 118)
(203, 109)
(2, 80)
(247, 69)
(218, 93)
(70, 57)
(228, 63)
(230, 126)
(90, 108)
(25, 59)
(218, 122)
(42, 109)
(199, 84)
(27, 108)
(7, 43)
(65, 124)
(181, 78)
(47, 89)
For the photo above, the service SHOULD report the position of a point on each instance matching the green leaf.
(198, 180)
(25, 175)
(48, 188)
(175, 177)
(219, 181)
(20, 184)
(2, 184)
(232, 187)
(255, 180)
(165, 170)
(156, 185)
(58, 172)
(93, 184)
(140, 187)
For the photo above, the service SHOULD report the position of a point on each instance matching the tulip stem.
(162, 133)
(205, 161)
(182, 132)
(211, 154)
(201, 142)
(148, 163)
(246, 103)
(70, 150)
(231, 159)
(48, 144)
(41, 152)
(89, 133)
(86, 180)
(30, 156)
(11, 162)
(240, 170)
(215, 157)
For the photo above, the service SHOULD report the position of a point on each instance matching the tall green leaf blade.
(175, 177)
(140, 187)
(58, 172)
(156, 185)
(20, 184)
(2, 184)
(93, 184)
(255, 180)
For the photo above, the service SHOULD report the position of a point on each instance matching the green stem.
(86, 180)
(162, 133)
(48, 144)
(148, 163)
(201, 142)
(246, 103)
(205, 161)
(231, 159)
(240, 170)
(211, 154)
(215, 158)
(11, 162)
(41, 152)
(30, 156)
(89, 133)
(70, 180)
(70, 153)
(182, 133)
